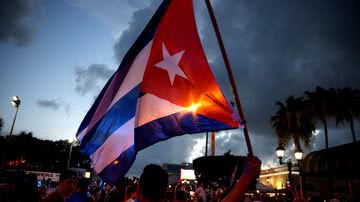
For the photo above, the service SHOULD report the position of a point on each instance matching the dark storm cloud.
(276, 49)
(15, 15)
(139, 20)
(90, 78)
(53, 104)
(283, 48)
(233, 140)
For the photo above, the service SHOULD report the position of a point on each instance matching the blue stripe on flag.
(120, 113)
(90, 113)
(174, 125)
(116, 170)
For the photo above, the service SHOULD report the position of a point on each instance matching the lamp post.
(280, 151)
(299, 156)
(289, 165)
(72, 141)
(16, 103)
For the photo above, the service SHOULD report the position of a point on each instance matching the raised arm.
(251, 171)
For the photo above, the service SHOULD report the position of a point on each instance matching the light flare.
(193, 107)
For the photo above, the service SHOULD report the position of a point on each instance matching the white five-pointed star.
(170, 63)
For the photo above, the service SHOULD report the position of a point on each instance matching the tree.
(294, 120)
(1, 124)
(322, 104)
(31, 153)
(281, 124)
(347, 107)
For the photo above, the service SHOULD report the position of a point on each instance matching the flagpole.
(206, 143)
(212, 143)
(231, 77)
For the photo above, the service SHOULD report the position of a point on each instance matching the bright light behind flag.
(193, 107)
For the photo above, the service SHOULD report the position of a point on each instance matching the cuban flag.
(163, 88)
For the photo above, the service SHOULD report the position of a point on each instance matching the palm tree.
(294, 120)
(347, 107)
(281, 124)
(321, 103)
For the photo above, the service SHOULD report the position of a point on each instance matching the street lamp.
(72, 141)
(16, 103)
(280, 151)
(298, 154)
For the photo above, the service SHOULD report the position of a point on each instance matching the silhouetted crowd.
(150, 187)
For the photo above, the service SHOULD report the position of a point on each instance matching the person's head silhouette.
(152, 184)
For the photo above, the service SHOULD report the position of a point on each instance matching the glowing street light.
(280, 151)
(16, 103)
(298, 154)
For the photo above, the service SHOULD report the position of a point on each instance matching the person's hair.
(66, 174)
(180, 195)
(130, 189)
(153, 183)
(83, 182)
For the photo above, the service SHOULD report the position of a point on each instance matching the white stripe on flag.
(116, 143)
(132, 79)
(81, 134)
(151, 107)
(135, 74)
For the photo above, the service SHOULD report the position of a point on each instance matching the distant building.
(325, 173)
(333, 173)
(173, 171)
(278, 178)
